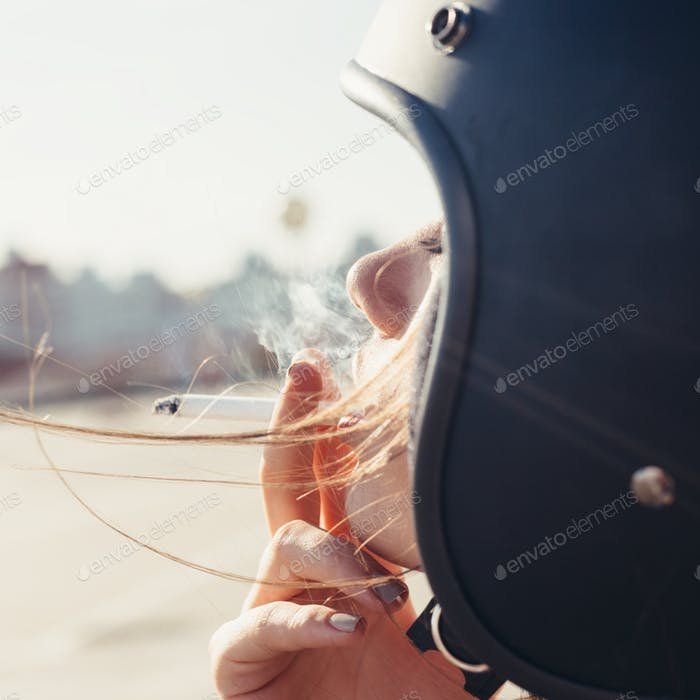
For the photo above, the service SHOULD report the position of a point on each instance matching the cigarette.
(253, 409)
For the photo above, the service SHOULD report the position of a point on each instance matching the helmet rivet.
(450, 26)
(653, 487)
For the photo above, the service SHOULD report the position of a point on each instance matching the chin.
(387, 524)
(406, 559)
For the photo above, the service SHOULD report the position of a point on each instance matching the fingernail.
(344, 622)
(350, 419)
(305, 356)
(294, 364)
(390, 592)
(299, 370)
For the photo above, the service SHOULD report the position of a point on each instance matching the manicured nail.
(344, 622)
(390, 592)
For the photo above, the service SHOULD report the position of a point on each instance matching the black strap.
(480, 685)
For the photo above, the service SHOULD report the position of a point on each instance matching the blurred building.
(119, 338)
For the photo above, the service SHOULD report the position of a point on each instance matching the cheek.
(381, 508)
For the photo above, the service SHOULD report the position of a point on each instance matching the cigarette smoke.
(284, 312)
(311, 311)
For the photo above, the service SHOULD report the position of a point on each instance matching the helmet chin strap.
(440, 645)
(479, 680)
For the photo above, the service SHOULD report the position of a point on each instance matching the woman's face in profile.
(393, 287)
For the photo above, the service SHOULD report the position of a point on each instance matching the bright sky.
(95, 81)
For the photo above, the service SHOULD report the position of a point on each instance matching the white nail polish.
(344, 622)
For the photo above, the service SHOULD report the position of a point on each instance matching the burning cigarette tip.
(167, 406)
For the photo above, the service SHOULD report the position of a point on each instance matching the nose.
(388, 286)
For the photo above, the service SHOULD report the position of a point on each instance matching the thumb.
(250, 651)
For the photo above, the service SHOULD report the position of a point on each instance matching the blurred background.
(161, 157)
(183, 188)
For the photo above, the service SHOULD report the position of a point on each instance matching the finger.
(250, 651)
(300, 552)
(330, 390)
(287, 470)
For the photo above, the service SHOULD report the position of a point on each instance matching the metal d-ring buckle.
(435, 629)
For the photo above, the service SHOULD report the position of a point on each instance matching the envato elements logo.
(11, 696)
(697, 385)
(157, 531)
(574, 343)
(573, 144)
(157, 343)
(358, 143)
(697, 572)
(7, 116)
(143, 153)
(10, 313)
(9, 502)
(573, 531)
(697, 186)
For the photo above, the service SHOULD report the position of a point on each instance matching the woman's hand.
(336, 642)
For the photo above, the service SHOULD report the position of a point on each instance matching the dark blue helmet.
(558, 460)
